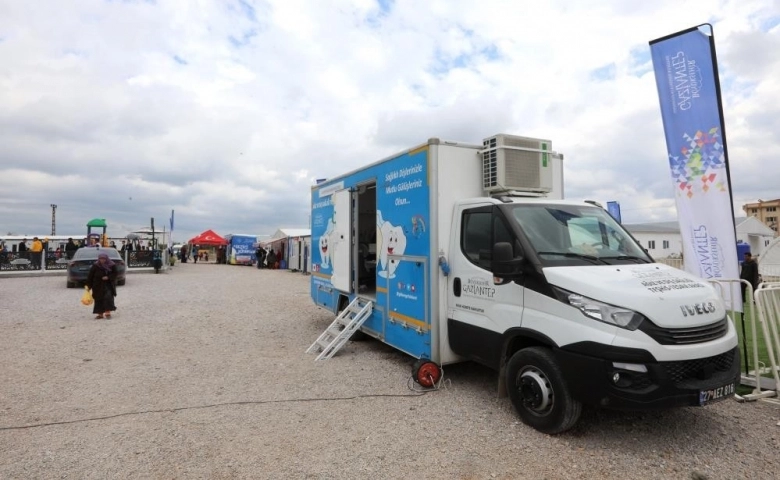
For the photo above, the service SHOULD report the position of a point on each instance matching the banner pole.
(728, 180)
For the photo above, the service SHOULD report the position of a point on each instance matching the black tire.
(121, 282)
(538, 392)
(70, 284)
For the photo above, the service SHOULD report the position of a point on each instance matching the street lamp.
(53, 219)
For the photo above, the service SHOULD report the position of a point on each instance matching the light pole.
(53, 219)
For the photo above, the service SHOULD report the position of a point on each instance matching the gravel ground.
(202, 374)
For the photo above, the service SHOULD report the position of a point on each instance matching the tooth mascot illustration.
(325, 245)
(390, 240)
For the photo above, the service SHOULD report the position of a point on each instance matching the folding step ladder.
(336, 335)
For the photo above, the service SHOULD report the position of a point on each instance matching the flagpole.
(171, 235)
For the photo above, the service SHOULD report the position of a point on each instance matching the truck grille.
(685, 336)
(699, 369)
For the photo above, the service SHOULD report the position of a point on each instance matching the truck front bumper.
(612, 377)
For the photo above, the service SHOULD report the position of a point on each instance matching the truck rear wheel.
(538, 392)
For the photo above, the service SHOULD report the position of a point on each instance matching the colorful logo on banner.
(701, 165)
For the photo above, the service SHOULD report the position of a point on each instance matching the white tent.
(769, 262)
(294, 244)
(752, 231)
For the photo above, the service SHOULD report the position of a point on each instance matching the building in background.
(765, 211)
(660, 239)
(663, 239)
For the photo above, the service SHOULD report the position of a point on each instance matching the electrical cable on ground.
(441, 385)
(198, 407)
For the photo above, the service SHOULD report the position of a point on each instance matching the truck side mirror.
(504, 264)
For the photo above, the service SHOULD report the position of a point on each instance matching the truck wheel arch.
(539, 394)
(516, 339)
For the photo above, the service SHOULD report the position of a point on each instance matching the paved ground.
(202, 374)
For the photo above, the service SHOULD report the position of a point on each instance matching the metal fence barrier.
(672, 262)
(56, 261)
(52, 261)
(139, 259)
(748, 377)
(767, 299)
(16, 261)
(763, 313)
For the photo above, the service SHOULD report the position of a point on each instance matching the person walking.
(749, 272)
(101, 280)
(260, 254)
(70, 248)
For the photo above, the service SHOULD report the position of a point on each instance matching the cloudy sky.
(226, 111)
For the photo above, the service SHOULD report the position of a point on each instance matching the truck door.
(480, 310)
(341, 241)
(407, 325)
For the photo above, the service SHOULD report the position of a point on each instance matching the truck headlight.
(603, 312)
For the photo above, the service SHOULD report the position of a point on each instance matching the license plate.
(717, 394)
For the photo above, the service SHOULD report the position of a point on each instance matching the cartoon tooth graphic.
(390, 240)
(325, 251)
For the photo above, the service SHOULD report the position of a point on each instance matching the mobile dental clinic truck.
(241, 249)
(453, 252)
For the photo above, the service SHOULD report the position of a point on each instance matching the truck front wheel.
(538, 392)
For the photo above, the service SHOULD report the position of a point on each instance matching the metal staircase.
(336, 335)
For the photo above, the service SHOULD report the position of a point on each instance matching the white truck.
(452, 252)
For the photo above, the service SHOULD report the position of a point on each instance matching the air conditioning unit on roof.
(512, 163)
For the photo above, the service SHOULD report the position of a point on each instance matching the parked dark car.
(85, 257)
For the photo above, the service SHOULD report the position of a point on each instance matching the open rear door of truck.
(341, 241)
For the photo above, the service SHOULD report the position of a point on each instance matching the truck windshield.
(576, 235)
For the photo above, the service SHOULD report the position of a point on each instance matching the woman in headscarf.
(102, 281)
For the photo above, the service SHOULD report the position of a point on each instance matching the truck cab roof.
(502, 200)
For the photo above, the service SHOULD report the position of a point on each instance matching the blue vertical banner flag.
(614, 209)
(689, 92)
(171, 234)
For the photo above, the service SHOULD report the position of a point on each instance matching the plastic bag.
(87, 299)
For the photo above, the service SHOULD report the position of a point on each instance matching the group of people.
(187, 252)
(130, 245)
(267, 258)
(34, 250)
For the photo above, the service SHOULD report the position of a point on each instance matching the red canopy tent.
(209, 237)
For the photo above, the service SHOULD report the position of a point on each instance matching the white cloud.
(227, 111)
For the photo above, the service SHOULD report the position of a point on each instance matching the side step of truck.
(336, 335)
